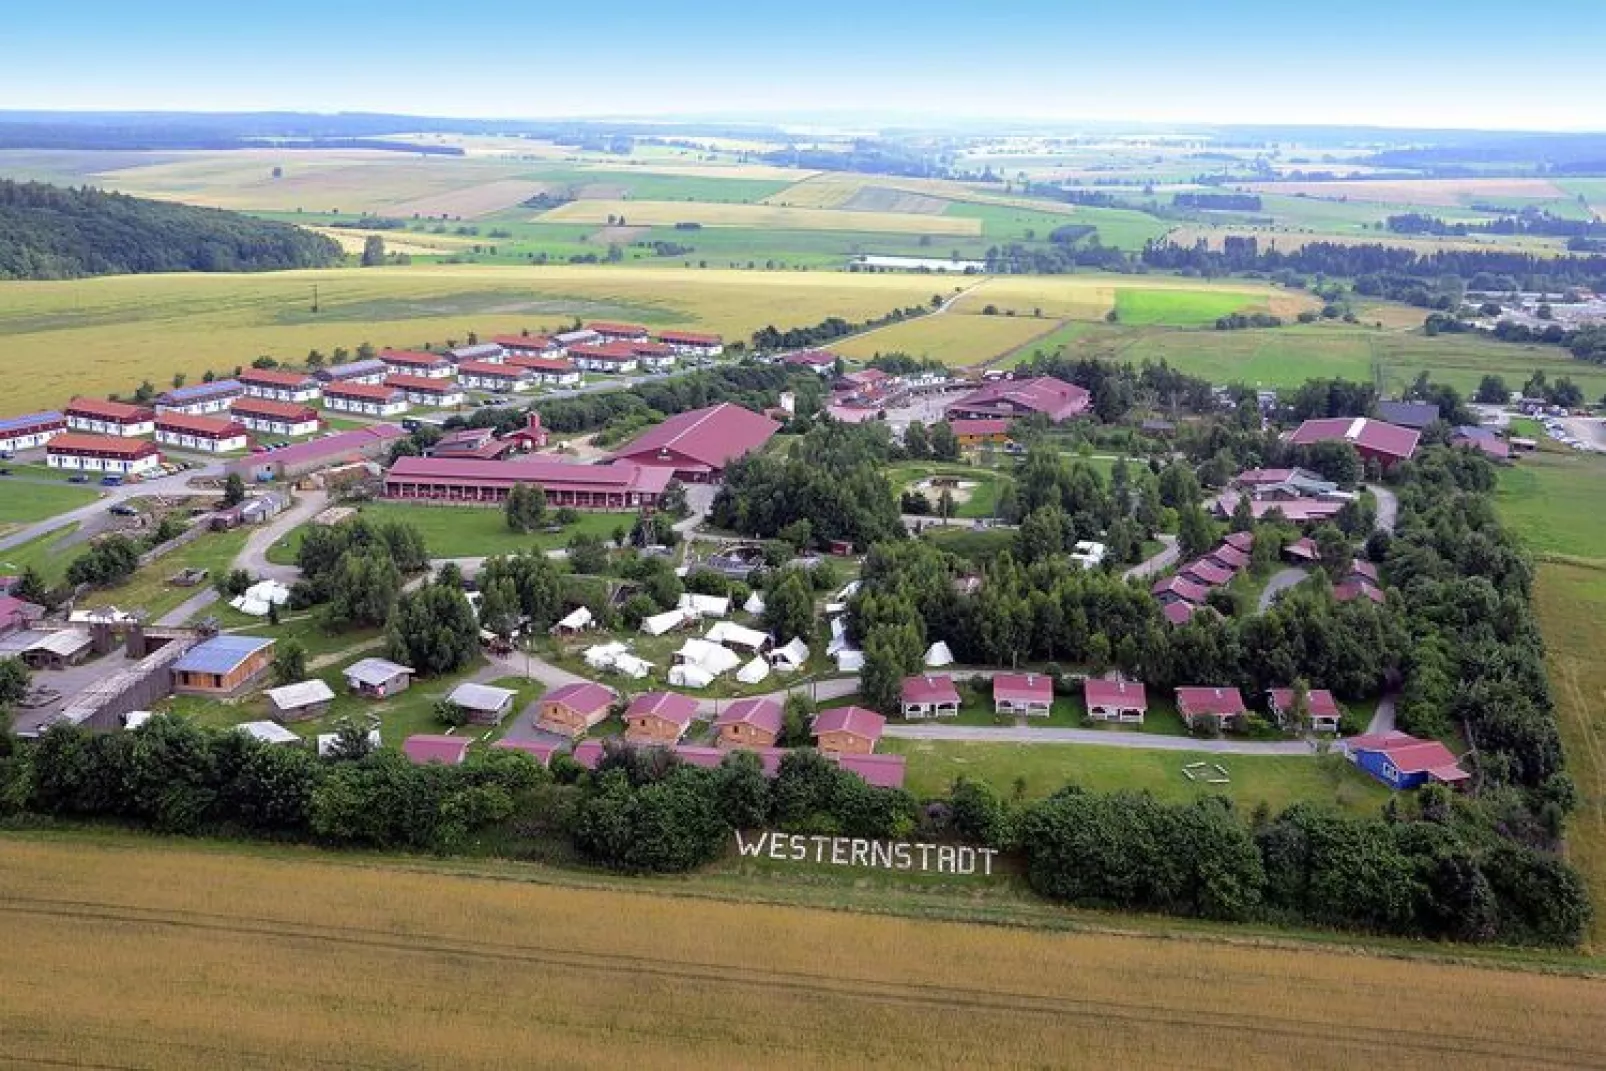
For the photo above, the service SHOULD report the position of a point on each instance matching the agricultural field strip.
(895, 991)
(668, 213)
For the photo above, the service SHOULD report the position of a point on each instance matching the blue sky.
(1385, 62)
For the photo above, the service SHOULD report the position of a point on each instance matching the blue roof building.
(201, 398)
(222, 665)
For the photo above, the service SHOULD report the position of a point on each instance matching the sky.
(1469, 64)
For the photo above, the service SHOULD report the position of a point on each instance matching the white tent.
(690, 677)
(135, 718)
(737, 636)
(938, 654)
(754, 671)
(848, 591)
(705, 605)
(631, 666)
(269, 732)
(849, 661)
(792, 656)
(839, 627)
(579, 619)
(754, 604)
(604, 655)
(259, 596)
(658, 624)
(836, 607)
(710, 656)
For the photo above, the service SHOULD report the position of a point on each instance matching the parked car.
(78, 478)
(123, 509)
(111, 480)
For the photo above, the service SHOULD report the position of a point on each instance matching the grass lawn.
(23, 502)
(42, 555)
(981, 500)
(1180, 308)
(466, 531)
(148, 588)
(1555, 501)
(1044, 768)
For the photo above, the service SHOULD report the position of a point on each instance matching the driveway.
(1388, 506)
(1383, 717)
(254, 558)
(188, 608)
(978, 734)
(1280, 581)
(1163, 560)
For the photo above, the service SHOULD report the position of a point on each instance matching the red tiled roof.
(1182, 587)
(523, 342)
(1377, 436)
(211, 427)
(1229, 556)
(678, 710)
(367, 392)
(1319, 701)
(1052, 397)
(856, 720)
(1244, 541)
(121, 412)
(1130, 695)
(929, 689)
(714, 436)
(1219, 701)
(423, 384)
(1303, 547)
(263, 407)
(426, 748)
(689, 338)
(651, 349)
(983, 426)
(492, 369)
(267, 377)
(762, 714)
(584, 696)
(70, 442)
(607, 328)
(1022, 687)
(619, 477)
(1206, 572)
(413, 359)
(541, 364)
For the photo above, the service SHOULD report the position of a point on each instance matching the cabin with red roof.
(1121, 701)
(279, 386)
(289, 419)
(751, 723)
(927, 696)
(697, 446)
(1205, 573)
(102, 453)
(422, 749)
(1358, 588)
(109, 418)
(210, 435)
(1029, 694)
(1322, 713)
(659, 718)
(820, 361)
(572, 709)
(848, 730)
(1201, 705)
(1402, 761)
(983, 431)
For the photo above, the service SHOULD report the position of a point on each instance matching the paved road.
(1383, 718)
(1165, 559)
(1096, 737)
(254, 558)
(1388, 506)
(1280, 581)
(174, 486)
(188, 608)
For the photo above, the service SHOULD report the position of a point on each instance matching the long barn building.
(622, 485)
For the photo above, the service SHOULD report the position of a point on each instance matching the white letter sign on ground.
(860, 852)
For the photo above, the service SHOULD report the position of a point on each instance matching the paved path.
(1096, 737)
(1388, 506)
(188, 608)
(254, 558)
(1383, 718)
(1280, 581)
(1165, 559)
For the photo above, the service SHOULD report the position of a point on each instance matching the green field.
(43, 555)
(148, 588)
(1555, 502)
(467, 531)
(25, 501)
(1180, 308)
(980, 500)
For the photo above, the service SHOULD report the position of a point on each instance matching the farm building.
(693, 344)
(548, 371)
(659, 718)
(210, 435)
(203, 398)
(422, 749)
(1474, 437)
(1321, 709)
(58, 649)
(818, 361)
(622, 485)
(222, 665)
(301, 701)
(927, 696)
(277, 386)
(101, 453)
(1414, 415)
(697, 446)
(485, 704)
(17, 613)
(437, 393)
(298, 460)
(290, 419)
(530, 437)
(614, 358)
(1374, 440)
(26, 432)
(614, 332)
(109, 418)
(751, 723)
(1401, 761)
(982, 431)
(1122, 701)
(1045, 395)
(413, 363)
(478, 351)
(1198, 706)
(365, 399)
(477, 443)
(486, 375)
(368, 371)
(1031, 694)
(528, 346)
(377, 678)
(573, 708)
(848, 730)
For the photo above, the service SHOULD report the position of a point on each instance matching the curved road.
(1280, 581)
(1163, 560)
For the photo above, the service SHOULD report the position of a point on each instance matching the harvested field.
(1089, 297)
(472, 202)
(618, 235)
(1291, 240)
(885, 199)
(602, 191)
(410, 242)
(311, 960)
(955, 339)
(668, 213)
(1432, 192)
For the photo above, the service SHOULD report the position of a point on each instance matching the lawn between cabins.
(23, 502)
(148, 589)
(466, 531)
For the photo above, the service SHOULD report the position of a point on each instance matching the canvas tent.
(576, 621)
(631, 666)
(938, 654)
(690, 676)
(737, 636)
(604, 655)
(710, 656)
(259, 597)
(658, 624)
(791, 657)
(754, 671)
(705, 605)
(849, 661)
(754, 604)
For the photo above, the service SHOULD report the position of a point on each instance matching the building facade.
(364, 399)
(209, 435)
(109, 418)
(276, 418)
(278, 386)
(102, 453)
(32, 430)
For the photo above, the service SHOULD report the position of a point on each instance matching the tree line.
(770, 339)
(751, 384)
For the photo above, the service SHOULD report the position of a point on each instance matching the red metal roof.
(1178, 613)
(689, 338)
(761, 713)
(413, 358)
(1129, 695)
(651, 349)
(1244, 541)
(99, 446)
(587, 697)
(1303, 547)
(1376, 436)
(621, 330)
(1055, 398)
(678, 710)
(619, 477)
(345, 444)
(1221, 702)
(121, 412)
(265, 407)
(1355, 589)
(929, 689)
(211, 427)
(714, 436)
(882, 771)
(491, 368)
(856, 720)
(1319, 701)
(426, 748)
(523, 342)
(1254, 477)
(1206, 572)
(267, 377)
(1022, 687)
(541, 364)
(983, 426)
(367, 392)
(1229, 556)
(423, 384)
(1181, 587)
(1409, 754)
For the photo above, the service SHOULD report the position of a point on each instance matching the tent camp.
(604, 655)
(938, 654)
(631, 666)
(705, 605)
(709, 656)
(658, 624)
(754, 671)
(577, 621)
(754, 604)
(737, 636)
(792, 657)
(690, 676)
(256, 599)
(849, 661)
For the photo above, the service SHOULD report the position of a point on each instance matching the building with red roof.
(475, 443)
(617, 332)
(1322, 712)
(572, 709)
(1179, 612)
(436, 392)
(622, 485)
(1353, 589)
(693, 343)
(1205, 573)
(365, 399)
(821, 361)
(300, 459)
(983, 430)
(530, 437)
(1199, 705)
(1121, 701)
(752, 723)
(848, 730)
(1228, 557)
(528, 345)
(660, 718)
(109, 418)
(539, 750)
(1402, 761)
(417, 363)
(879, 771)
(610, 358)
(1244, 541)
(276, 418)
(1045, 395)
(30, 430)
(1293, 510)
(1030, 694)
(698, 445)
(1481, 439)
(928, 696)
(422, 749)
(101, 453)
(548, 371)
(493, 376)
(210, 435)
(1179, 589)
(278, 386)
(1375, 440)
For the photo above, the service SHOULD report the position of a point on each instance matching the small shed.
(268, 732)
(485, 704)
(222, 665)
(58, 650)
(301, 701)
(377, 678)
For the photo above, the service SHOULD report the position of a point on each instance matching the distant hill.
(48, 232)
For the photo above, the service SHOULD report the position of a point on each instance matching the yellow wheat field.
(139, 954)
(668, 213)
(954, 338)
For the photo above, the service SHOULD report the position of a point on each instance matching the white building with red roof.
(210, 435)
(280, 386)
(693, 343)
(493, 376)
(698, 445)
(548, 371)
(432, 391)
(364, 399)
(114, 455)
(1045, 395)
(99, 417)
(617, 332)
(1122, 701)
(820, 361)
(622, 485)
(418, 363)
(1200, 705)
(290, 419)
(928, 696)
(30, 430)
(1029, 694)
(1322, 712)
(1375, 440)
(528, 345)
(610, 358)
